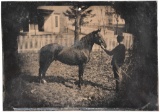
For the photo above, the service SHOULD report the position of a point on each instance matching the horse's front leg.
(81, 71)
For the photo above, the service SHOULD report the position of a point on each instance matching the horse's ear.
(99, 30)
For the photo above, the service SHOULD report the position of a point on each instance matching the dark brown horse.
(78, 54)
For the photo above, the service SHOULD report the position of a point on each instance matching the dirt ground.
(61, 89)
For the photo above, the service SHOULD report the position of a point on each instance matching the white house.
(51, 17)
(52, 23)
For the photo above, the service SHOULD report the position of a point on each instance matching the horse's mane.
(86, 37)
(84, 40)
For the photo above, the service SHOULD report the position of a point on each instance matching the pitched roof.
(56, 9)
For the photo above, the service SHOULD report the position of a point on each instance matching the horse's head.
(98, 39)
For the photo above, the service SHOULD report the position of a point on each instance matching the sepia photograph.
(79, 56)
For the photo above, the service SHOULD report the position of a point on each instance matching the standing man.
(118, 59)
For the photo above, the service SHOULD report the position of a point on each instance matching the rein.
(100, 61)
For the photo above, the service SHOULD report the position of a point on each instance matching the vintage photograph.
(81, 55)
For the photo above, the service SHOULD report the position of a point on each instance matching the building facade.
(104, 16)
(52, 23)
(112, 17)
(49, 19)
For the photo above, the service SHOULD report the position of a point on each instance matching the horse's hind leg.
(40, 74)
(42, 70)
(81, 71)
(46, 57)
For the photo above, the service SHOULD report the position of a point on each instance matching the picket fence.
(33, 43)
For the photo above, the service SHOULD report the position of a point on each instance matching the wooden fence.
(33, 43)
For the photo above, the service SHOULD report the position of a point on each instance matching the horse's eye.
(97, 35)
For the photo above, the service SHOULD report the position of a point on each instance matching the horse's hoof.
(79, 87)
(43, 81)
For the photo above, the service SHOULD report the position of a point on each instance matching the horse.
(76, 55)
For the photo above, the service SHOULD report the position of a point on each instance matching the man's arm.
(107, 51)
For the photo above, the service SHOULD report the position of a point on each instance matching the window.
(56, 21)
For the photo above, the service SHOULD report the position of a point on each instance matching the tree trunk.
(77, 26)
(142, 86)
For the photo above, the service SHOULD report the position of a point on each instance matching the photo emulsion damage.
(80, 55)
